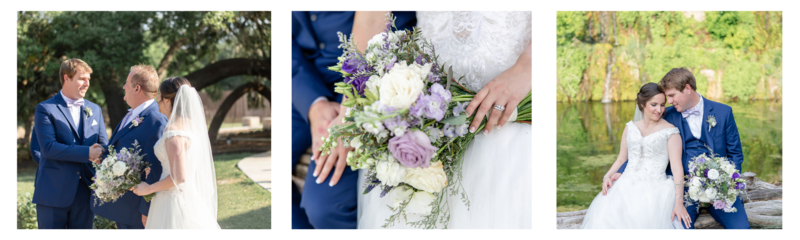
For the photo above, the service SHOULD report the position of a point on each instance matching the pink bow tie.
(75, 103)
(690, 112)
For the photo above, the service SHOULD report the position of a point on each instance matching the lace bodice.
(647, 156)
(161, 153)
(479, 45)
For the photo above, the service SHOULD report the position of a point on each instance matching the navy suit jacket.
(64, 150)
(315, 48)
(723, 139)
(129, 208)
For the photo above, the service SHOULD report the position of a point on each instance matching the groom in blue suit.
(315, 104)
(703, 124)
(68, 134)
(143, 124)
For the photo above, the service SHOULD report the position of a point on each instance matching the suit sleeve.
(103, 139)
(733, 145)
(36, 154)
(50, 148)
(156, 169)
(307, 85)
(622, 168)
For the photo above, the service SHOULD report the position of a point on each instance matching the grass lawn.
(243, 204)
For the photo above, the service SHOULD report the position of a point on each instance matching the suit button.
(313, 17)
(321, 45)
(79, 173)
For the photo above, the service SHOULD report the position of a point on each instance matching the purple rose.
(735, 176)
(413, 149)
(720, 204)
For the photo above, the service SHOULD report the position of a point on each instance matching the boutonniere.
(88, 112)
(712, 122)
(135, 122)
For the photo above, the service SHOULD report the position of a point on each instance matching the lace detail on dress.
(479, 45)
(160, 150)
(647, 156)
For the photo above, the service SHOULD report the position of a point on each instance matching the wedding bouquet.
(118, 173)
(713, 181)
(407, 121)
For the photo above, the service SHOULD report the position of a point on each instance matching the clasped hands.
(95, 153)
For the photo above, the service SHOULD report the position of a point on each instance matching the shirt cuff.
(321, 98)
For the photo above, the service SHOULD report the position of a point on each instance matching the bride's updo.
(646, 93)
(170, 86)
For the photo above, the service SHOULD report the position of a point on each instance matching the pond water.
(589, 137)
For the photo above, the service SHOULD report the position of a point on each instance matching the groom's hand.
(144, 220)
(320, 116)
(95, 152)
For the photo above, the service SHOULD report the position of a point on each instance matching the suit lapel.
(62, 105)
(144, 114)
(704, 131)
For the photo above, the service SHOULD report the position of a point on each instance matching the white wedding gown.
(497, 166)
(191, 204)
(644, 196)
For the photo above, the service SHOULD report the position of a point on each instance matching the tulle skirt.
(634, 204)
(496, 179)
(170, 209)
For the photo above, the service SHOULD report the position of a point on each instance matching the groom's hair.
(71, 66)
(677, 78)
(146, 77)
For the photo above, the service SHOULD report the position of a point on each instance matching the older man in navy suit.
(328, 200)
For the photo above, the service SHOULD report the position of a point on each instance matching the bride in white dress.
(186, 194)
(645, 197)
(492, 51)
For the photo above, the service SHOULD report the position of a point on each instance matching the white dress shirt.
(74, 109)
(135, 112)
(696, 120)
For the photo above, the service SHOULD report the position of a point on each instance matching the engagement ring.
(499, 108)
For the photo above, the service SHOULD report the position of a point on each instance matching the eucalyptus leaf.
(455, 120)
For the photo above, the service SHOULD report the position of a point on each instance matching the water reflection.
(589, 135)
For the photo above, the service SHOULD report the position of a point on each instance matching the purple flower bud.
(735, 176)
(705, 174)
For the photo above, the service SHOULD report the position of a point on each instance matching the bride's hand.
(507, 90)
(142, 189)
(337, 160)
(680, 211)
(607, 182)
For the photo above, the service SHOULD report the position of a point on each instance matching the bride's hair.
(170, 86)
(646, 93)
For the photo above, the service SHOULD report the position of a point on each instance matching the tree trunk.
(162, 67)
(216, 123)
(117, 107)
(28, 127)
(220, 70)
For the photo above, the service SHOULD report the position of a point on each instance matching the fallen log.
(761, 203)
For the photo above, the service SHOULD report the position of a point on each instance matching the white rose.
(713, 174)
(431, 179)
(696, 182)
(390, 172)
(119, 168)
(377, 39)
(373, 83)
(728, 168)
(694, 192)
(420, 203)
(710, 193)
(403, 84)
(399, 195)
